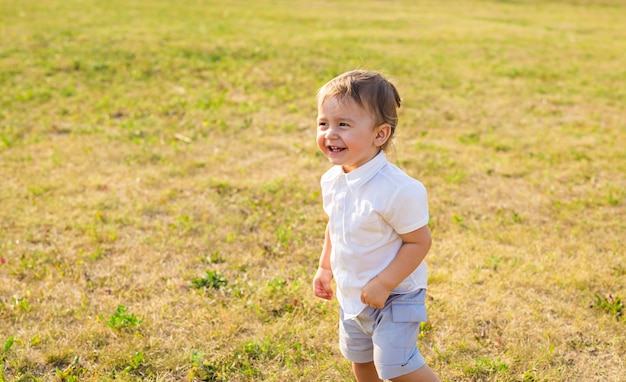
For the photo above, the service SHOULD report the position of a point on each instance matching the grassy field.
(160, 211)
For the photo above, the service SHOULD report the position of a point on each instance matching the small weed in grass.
(614, 198)
(201, 369)
(21, 304)
(4, 355)
(121, 319)
(610, 304)
(71, 373)
(214, 258)
(276, 284)
(7, 346)
(283, 236)
(485, 367)
(249, 359)
(425, 328)
(134, 363)
(211, 279)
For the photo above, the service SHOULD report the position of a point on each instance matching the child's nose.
(331, 132)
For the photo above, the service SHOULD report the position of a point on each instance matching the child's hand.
(321, 283)
(375, 294)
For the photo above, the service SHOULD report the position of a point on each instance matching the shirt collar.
(360, 175)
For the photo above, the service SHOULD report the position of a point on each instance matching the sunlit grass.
(160, 213)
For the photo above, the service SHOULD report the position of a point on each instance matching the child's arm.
(415, 246)
(324, 274)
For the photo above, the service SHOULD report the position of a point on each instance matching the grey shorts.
(387, 336)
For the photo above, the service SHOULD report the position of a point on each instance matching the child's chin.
(336, 161)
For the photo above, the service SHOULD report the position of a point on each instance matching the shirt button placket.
(341, 207)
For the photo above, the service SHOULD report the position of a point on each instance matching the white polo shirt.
(368, 208)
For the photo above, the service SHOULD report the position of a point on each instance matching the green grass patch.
(161, 156)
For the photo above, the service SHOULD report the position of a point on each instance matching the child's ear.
(383, 132)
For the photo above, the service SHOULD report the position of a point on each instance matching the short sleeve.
(408, 208)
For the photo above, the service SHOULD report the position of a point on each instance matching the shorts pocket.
(408, 312)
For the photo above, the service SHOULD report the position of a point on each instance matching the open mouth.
(335, 149)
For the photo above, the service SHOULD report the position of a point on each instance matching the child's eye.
(322, 124)
(343, 124)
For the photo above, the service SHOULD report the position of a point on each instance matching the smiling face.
(347, 133)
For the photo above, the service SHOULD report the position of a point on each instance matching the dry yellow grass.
(147, 148)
